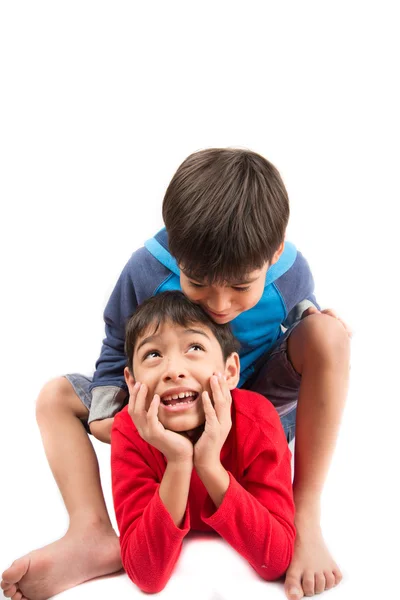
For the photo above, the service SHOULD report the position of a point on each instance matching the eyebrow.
(246, 281)
(151, 338)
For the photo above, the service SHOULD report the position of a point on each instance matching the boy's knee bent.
(325, 337)
(318, 337)
(58, 394)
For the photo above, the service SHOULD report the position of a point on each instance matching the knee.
(319, 340)
(325, 338)
(55, 393)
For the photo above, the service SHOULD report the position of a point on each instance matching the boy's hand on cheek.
(175, 447)
(218, 423)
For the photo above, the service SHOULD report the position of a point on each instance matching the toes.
(293, 589)
(17, 596)
(338, 575)
(5, 584)
(17, 570)
(308, 583)
(319, 583)
(9, 593)
(330, 581)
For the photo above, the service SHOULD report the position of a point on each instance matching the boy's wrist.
(180, 462)
(215, 479)
(208, 466)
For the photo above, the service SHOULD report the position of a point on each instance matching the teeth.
(178, 396)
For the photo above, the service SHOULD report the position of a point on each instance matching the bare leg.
(90, 547)
(319, 349)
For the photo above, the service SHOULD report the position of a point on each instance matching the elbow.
(278, 562)
(152, 589)
(148, 584)
(274, 570)
(147, 578)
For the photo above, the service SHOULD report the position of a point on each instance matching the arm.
(150, 539)
(109, 391)
(296, 288)
(257, 517)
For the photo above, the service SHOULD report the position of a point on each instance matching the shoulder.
(297, 282)
(297, 270)
(146, 273)
(257, 416)
(125, 433)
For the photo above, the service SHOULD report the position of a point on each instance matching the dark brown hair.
(226, 211)
(173, 306)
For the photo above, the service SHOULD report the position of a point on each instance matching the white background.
(100, 102)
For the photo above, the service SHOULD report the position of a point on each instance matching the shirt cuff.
(106, 402)
(214, 516)
(168, 522)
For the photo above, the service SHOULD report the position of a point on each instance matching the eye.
(196, 346)
(196, 285)
(151, 353)
(241, 289)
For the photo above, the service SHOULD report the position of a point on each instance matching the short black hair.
(226, 211)
(175, 307)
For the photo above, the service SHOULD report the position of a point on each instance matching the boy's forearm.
(216, 481)
(174, 489)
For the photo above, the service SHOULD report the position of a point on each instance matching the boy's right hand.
(175, 447)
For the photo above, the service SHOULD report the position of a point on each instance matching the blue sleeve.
(121, 305)
(139, 279)
(296, 288)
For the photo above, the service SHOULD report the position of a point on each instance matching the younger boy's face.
(225, 302)
(179, 361)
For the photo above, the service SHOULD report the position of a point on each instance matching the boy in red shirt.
(187, 453)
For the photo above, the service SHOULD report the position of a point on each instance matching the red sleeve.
(149, 539)
(257, 517)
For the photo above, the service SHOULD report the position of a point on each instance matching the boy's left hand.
(218, 423)
(328, 311)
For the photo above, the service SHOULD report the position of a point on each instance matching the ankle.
(83, 520)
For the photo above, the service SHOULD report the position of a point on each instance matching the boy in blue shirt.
(226, 213)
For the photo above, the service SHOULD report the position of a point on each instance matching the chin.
(184, 425)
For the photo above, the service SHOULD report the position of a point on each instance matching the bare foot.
(82, 554)
(312, 569)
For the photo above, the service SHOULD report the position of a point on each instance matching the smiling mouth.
(185, 398)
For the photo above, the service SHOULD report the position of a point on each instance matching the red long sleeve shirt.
(256, 516)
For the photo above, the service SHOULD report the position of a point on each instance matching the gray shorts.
(274, 377)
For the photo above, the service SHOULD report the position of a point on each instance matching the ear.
(278, 253)
(130, 380)
(232, 370)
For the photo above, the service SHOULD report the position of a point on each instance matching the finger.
(310, 311)
(140, 404)
(330, 312)
(208, 407)
(132, 397)
(222, 399)
(217, 394)
(152, 413)
(225, 387)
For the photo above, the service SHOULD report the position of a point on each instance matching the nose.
(174, 371)
(219, 303)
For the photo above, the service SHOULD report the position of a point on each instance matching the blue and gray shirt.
(288, 292)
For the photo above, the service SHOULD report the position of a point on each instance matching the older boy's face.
(176, 363)
(225, 302)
